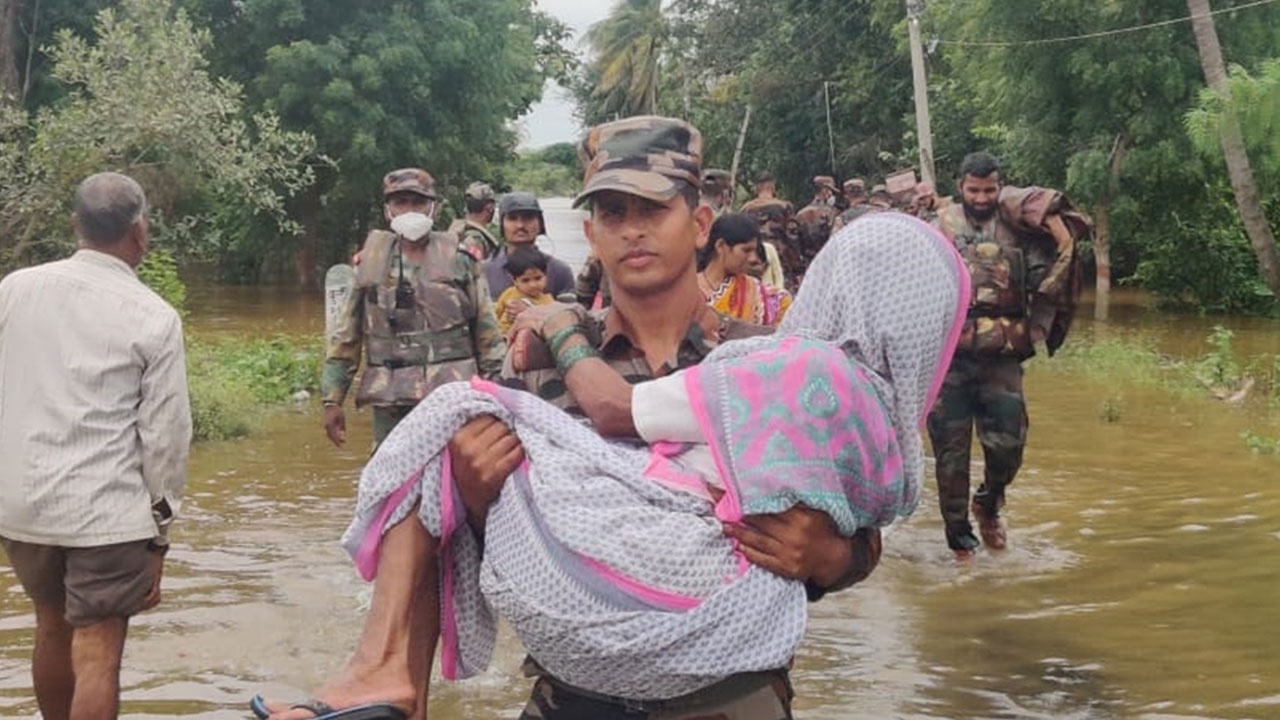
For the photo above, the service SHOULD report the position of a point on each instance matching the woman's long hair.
(734, 228)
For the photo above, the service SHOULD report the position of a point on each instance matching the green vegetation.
(1122, 122)
(260, 129)
(232, 381)
(547, 172)
(138, 98)
(1133, 361)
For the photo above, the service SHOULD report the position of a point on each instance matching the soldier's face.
(978, 194)
(647, 248)
(520, 226)
(407, 202)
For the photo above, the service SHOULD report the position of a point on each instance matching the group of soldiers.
(795, 236)
(422, 304)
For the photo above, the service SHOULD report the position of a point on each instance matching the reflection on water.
(1140, 582)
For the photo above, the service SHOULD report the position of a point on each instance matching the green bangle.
(560, 337)
(574, 355)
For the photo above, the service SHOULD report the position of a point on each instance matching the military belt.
(991, 312)
(731, 688)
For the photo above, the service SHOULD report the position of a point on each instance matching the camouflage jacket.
(439, 328)
(475, 239)
(1051, 274)
(816, 221)
(533, 369)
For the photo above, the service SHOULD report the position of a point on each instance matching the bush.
(221, 407)
(232, 381)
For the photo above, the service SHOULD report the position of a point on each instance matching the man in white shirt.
(95, 427)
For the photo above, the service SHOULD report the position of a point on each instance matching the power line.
(1104, 33)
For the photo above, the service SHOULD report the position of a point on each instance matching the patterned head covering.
(893, 293)
(824, 181)
(480, 191)
(653, 157)
(855, 185)
(414, 180)
(716, 180)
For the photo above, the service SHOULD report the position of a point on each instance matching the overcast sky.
(551, 121)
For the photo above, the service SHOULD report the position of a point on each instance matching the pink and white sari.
(608, 560)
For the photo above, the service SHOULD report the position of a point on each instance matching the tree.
(139, 99)
(626, 60)
(385, 84)
(10, 84)
(1233, 148)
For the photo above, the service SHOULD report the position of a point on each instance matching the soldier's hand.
(484, 452)
(799, 544)
(335, 425)
(546, 320)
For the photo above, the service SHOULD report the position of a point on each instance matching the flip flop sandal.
(324, 711)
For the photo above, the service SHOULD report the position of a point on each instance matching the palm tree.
(626, 50)
(1233, 147)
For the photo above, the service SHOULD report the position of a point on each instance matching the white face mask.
(412, 226)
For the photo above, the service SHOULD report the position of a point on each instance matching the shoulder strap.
(375, 258)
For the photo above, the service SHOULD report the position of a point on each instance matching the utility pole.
(831, 135)
(924, 134)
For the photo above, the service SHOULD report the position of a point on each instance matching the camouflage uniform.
(656, 159)
(419, 326)
(717, 188)
(753, 695)
(816, 220)
(1021, 279)
(778, 226)
(477, 239)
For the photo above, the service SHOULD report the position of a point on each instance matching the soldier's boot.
(986, 510)
(961, 540)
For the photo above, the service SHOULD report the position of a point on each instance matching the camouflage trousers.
(385, 420)
(986, 391)
(752, 696)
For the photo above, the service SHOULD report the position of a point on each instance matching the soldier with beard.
(1019, 245)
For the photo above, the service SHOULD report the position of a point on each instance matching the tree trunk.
(737, 151)
(10, 82)
(307, 256)
(1102, 232)
(1246, 190)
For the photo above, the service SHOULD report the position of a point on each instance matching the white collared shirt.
(95, 420)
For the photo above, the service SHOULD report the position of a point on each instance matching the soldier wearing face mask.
(420, 310)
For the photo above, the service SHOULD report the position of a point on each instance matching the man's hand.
(155, 566)
(545, 321)
(484, 453)
(335, 424)
(802, 544)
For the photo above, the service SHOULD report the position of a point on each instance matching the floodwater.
(1141, 582)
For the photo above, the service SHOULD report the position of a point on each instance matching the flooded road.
(1141, 582)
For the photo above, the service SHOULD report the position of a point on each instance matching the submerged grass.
(1130, 361)
(233, 380)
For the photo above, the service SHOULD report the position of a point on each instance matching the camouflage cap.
(414, 180)
(880, 190)
(653, 157)
(479, 191)
(855, 185)
(824, 181)
(716, 179)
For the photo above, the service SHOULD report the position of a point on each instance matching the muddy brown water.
(1141, 583)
